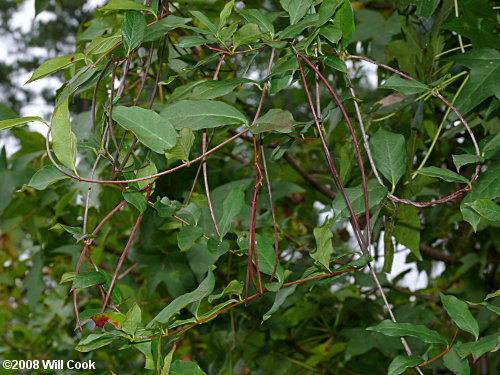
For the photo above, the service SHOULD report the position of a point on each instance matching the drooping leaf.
(152, 130)
(407, 228)
(459, 312)
(63, 139)
(87, 279)
(280, 298)
(336, 63)
(461, 160)
(136, 199)
(182, 147)
(46, 176)
(390, 328)
(405, 86)
(204, 289)
(486, 208)
(389, 154)
(324, 247)
(97, 340)
(234, 287)
(231, 207)
(133, 30)
(54, 65)
(201, 114)
(443, 174)
(215, 89)
(127, 5)
(376, 193)
(12, 123)
(400, 363)
(275, 120)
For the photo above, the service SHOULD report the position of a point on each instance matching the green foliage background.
(177, 305)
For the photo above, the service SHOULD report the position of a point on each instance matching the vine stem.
(124, 254)
(248, 299)
(85, 250)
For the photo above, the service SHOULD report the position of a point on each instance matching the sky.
(24, 18)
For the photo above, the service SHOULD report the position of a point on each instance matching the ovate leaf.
(87, 279)
(54, 65)
(224, 14)
(459, 312)
(249, 33)
(376, 193)
(231, 207)
(296, 9)
(202, 114)
(180, 367)
(258, 17)
(486, 208)
(405, 86)
(407, 229)
(182, 147)
(133, 30)
(389, 154)
(443, 174)
(136, 199)
(215, 89)
(461, 160)
(132, 320)
(390, 328)
(281, 296)
(324, 247)
(152, 130)
(276, 120)
(400, 363)
(45, 177)
(63, 139)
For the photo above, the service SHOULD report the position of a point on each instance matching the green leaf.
(215, 89)
(485, 73)
(266, 252)
(63, 139)
(258, 17)
(54, 65)
(400, 363)
(405, 86)
(202, 114)
(484, 345)
(224, 14)
(154, 131)
(275, 120)
(293, 31)
(136, 199)
(46, 176)
(165, 207)
(234, 287)
(204, 289)
(461, 160)
(231, 207)
(112, 318)
(443, 174)
(163, 26)
(344, 21)
(247, 34)
(187, 235)
(191, 41)
(407, 229)
(324, 247)
(425, 8)
(132, 320)
(459, 312)
(205, 21)
(281, 296)
(133, 30)
(296, 9)
(336, 63)
(167, 362)
(102, 44)
(96, 341)
(180, 367)
(127, 5)
(182, 147)
(376, 193)
(486, 208)
(87, 279)
(148, 170)
(453, 363)
(389, 154)
(487, 186)
(390, 328)
(12, 123)
(67, 277)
